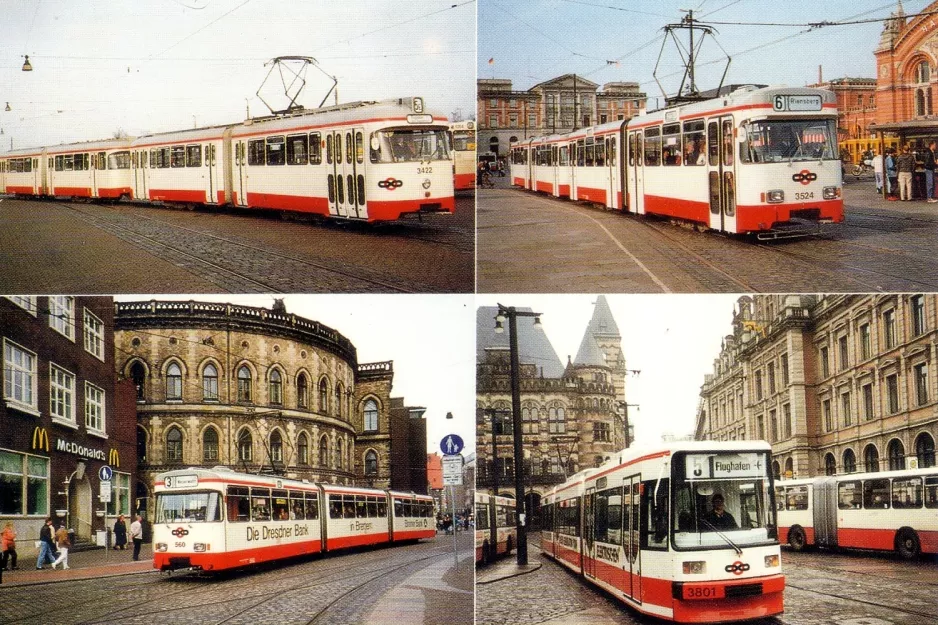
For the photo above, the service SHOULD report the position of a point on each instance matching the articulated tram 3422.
(685, 532)
(218, 519)
(757, 161)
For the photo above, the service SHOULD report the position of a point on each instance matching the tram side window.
(849, 496)
(796, 498)
(931, 492)
(671, 144)
(315, 148)
(482, 517)
(655, 513)
(100, 161)
(695, 143)
(193, 156)
(907, 493)
(275, 153)
(608, 516)
(713, 144)
(335, 506)
(729, 145)
(589, 150)
(568, 517)
(59, 163)
(564, 156)
(348, 506)
(876, 494)
(239, 504)
(297, 510)
(580, 153)
(652, 147)
(178, 156)
(361, 507)
(398, 508)
(633, 148)
(312, 506)
(611, 151)
(260, 504)
(297, 148)
(600, 158)
(373, 507)
(547, 517)
(382, 507)
(256, 152)
(281, 506)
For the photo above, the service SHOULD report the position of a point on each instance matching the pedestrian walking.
(9, 547)
(120, 533)
(928, 162)
(46, 545)
(892, 177)
(136, 535)
(878, 172)
(905, 165)
(63, 543)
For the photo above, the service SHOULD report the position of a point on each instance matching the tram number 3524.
(807, 195)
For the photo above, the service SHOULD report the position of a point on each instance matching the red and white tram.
(756, 161)
(684, 532)
(495, 524)
(364, 161)
(886, 511)
(217, 519)
(464, 154)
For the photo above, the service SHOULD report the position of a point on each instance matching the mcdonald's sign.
(114, 458)
(40, 439)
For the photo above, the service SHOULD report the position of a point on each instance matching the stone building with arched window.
(256, 390)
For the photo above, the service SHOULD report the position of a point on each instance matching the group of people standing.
(896, 170)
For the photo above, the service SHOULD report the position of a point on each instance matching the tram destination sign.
(796, 103)
(709, 466)
(181, 481)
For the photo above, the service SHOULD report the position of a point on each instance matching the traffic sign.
(105, 494)
(105, 473)
(452, 470)
(451, 445)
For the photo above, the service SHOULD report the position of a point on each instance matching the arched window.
(371, 416)
(324, 451)
(896, 452)
(244, 384)
(173, 445)
(775, 469)
(339, 456)
(830, 464)
(276, 387)
(210, 445)
(338, 399)
(920, 102)
(302, 449)
(371, 463)
(276, 446)
(210, 383)
(245, 446)
(302, 391)
(138, 374)
(323, 396)
(850, 461)
(173, 382)
(922, 72)
(789, 468)
(871, 458)
(925, 450)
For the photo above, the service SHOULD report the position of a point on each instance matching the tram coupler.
(794, 229)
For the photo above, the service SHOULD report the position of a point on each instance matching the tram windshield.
(722, 500)
(788, 140)
(402, 145)
(197, 507)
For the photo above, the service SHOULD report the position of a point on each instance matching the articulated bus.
(885, 511)
(464, 154)
(684, 532)
(496, 527)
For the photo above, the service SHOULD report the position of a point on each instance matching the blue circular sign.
(105, 473)
(451, 444)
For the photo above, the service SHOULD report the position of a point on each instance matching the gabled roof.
(533, 345)
(561, 81)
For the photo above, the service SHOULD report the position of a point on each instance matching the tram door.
(631, 507)
(588, 555)
(637, 149)
(209, 160)
(721, 173)
(240, 181)
(555, 169)
(532, 156)
(140, 164)
(611, 185)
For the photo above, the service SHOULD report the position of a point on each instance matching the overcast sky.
(531, 41)
(430, 338)
(155, 65)
(671, 339)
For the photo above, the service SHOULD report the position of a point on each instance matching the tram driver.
(718, 517)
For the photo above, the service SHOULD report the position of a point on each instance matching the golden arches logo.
(114, 458)
(41, 439)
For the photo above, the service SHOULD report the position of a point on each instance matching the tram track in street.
(928, 616)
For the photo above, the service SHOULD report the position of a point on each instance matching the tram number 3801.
(702, 592)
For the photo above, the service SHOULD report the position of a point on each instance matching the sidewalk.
(507, 567)
(862, 194)
(82, 565)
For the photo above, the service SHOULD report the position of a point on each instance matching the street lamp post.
(512, 314)
(625, 419)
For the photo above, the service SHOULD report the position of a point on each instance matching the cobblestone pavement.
(821, 589)
(125, 248)
(412, 584)
(530, 242)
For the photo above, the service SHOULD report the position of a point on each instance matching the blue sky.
(535, 40)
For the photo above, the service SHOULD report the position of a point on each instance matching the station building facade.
(261, 390)
(573, 416)
(836, 383)
(63, 417)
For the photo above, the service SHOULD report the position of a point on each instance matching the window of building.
(920, 373)
(917, 305)
(889, 328)
(771, 378)
(245, 446)
(868, 401)
(493, 120)
(323, 396)
(785, 370)
(371, 463)
(26, 302)
(601, 432)
(842, 346)
(758, 385)
(210, 383)
(786, 417)
(896, 453)
(338, 399)
(850, 461)
(845, 409)
(760, 426)
(276, 446)
(244, 384)
(302, 449)
(324, 451)
(120, 495)
(62, 315)
(62, 395)
(825, 363)
(339, 456)
(94, 336)
(773, 426)
(276, 387)
(828, 417)
(94, 408)
(302, 391)
(830, 464)
(871, 459)
(24, 484)
(866, 343)
(556, 419)
(210, 445)
(371, 416)
(173, 382)
(173, 445)
(925, 450)
(892, 392)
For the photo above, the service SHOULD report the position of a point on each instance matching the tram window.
(589, 156)
(297, 149)
(382, 508)
(849, 495)
(260, 504)
(695, 143)
(671, 144)
(348, 147)
(59, 163)
(482, 517)
(359, 148)
(297, 509)
(117, 160)
(655, 514)
(361, 507)
(99, 160)
(281, 509)
(611, 151)
(564, 156)
(69, 162)
(315, 148)
(652, 147)
(256, 152)
(907, 493)
(152, 157)
(338, 147)
(931, 492)
(239, 504)
(876, 494)
(329, 143)
(608, 516)
(275, 152)
(312, 506)
(193, 156)
(796, 498)
(580, 153)
(348, 506)
(372, 507)
(600, 157)
(713, 144)
(729, 145)
(335, 506)
(398, 508)
(178, 156)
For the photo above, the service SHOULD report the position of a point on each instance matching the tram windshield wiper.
(739, 550)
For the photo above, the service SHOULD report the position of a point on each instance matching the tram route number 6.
(797, 103)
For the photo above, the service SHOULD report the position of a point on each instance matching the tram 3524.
(496, 530)
(756, 161)
(684, 532)
(216, 519)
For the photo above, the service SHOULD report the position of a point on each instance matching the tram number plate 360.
(703, 592)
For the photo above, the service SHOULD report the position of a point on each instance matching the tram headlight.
(162, 546)
(775, 196)
(771, 562)
(831, 193)
(198, 547)
(695, 567)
